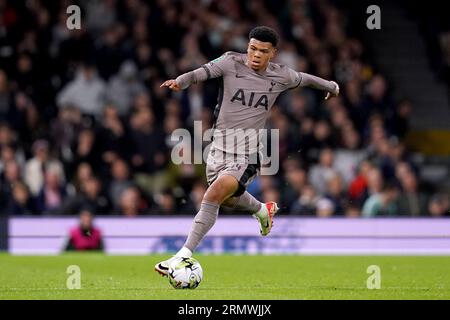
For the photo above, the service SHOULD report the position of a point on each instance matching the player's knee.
(221, 189)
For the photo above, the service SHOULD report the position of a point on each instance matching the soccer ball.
(185, 273)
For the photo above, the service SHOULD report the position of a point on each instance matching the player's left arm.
(304, 79)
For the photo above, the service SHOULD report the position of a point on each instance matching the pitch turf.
(226, 277)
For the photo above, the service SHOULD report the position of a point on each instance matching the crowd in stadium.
(84, 124)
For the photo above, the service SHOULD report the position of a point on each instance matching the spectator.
(7, 154)
(87, 149)
(147, 157)
(375, 181)
(322, 139)
(165, 203)
(348, 157)
(357, 112)
(108, 51)
(400, 121)
(83, 173)
(85, 236)
(25, 75)
(195, 199)
(411, 201)
(113, 136)
(10, 176)
(335, 193)
(86, 92)
(52, 195)
(10, 149)
(306, 203)
(132, 204)
(100, 15)
(91, 197)
(353, 211)
(260, 184)
(64, 131)
(36, 166)
(5, 98)
(325, 208)
(124, 87)
(439, 205)
(120, 181)
(295, 181)
(377, 98)
(323, 171)
(358, 189)
(383, 203)
(21, 202)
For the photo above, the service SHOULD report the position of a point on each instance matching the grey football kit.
(245, 99)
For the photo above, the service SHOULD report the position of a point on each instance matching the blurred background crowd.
(84, 125)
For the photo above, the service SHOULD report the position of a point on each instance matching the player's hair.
(264, 34)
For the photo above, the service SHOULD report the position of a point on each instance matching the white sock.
(262, 212)
(184, 252)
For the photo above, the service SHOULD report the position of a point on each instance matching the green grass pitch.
(226, 277)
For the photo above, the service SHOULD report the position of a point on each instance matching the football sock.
(203, 221)
(184, 252)
(245, 202)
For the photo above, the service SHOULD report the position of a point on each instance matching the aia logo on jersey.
(251, 100)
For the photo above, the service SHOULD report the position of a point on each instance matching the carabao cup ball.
(185, 273)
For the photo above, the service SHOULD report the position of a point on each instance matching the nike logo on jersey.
(239, 76)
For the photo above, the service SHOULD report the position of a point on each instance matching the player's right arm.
(213, 69)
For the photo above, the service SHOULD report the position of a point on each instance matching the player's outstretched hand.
(333, 94)
(172, 84)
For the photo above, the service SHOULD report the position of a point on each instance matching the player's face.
(259, 54)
